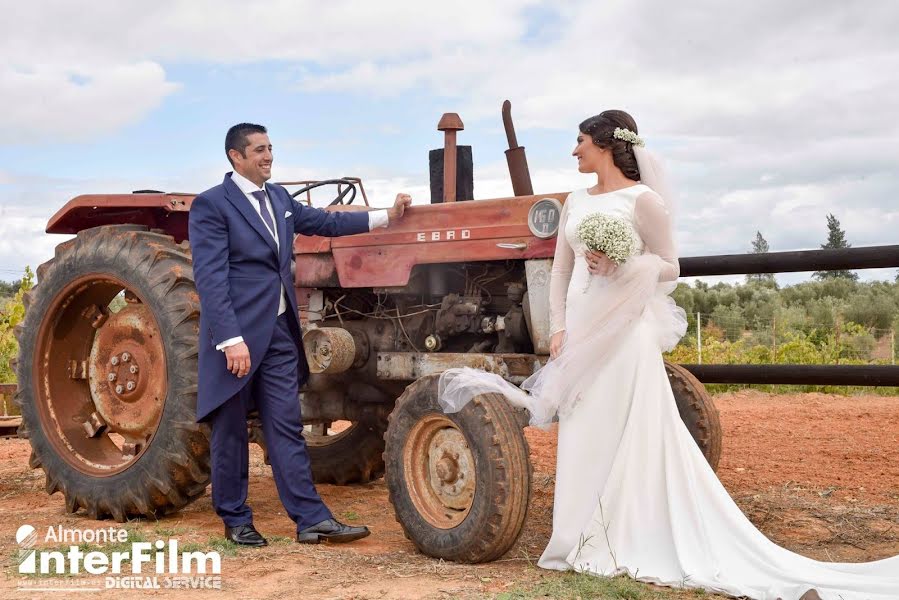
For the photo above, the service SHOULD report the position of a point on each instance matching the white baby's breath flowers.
(612, 236)
(628, 136)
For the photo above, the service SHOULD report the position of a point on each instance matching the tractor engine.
(465, 308)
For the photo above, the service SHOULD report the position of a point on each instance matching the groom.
(251, 352)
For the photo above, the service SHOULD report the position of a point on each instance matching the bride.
(634, 494)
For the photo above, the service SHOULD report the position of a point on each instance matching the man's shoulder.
(216, 191)
(213, 196)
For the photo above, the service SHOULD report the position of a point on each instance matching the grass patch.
(162, 532)
(580, 586)
(351, 515)
(280, 540)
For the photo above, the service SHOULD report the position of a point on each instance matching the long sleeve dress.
(634, 494)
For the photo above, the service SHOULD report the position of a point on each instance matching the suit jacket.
(239, 270)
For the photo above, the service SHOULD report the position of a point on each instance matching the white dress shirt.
(376, 218)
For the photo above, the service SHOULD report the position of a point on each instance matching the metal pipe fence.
(765, 344)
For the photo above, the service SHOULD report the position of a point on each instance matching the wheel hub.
(451, 468)
(441, 471)
(447, 470)
(127, 372)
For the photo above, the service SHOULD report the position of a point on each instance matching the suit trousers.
(273, 387)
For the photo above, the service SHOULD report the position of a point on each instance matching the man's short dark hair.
(236, 138)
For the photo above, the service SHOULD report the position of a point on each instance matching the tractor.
(107, 369)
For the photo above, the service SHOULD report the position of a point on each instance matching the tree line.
(830, 297)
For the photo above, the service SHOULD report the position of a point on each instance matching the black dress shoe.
(331, 530)
(245, 535)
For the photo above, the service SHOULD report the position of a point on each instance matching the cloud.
(237, 32)
(68, 75)
(62, 105)
(23, 242)
(683, 71)
(771, 114)
(791, 217)
(751, 70)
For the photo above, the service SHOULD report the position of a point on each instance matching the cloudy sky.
(769, 114)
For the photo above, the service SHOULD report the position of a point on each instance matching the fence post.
(699, 336)
(838, 322)
(774, 339)
(892, 346)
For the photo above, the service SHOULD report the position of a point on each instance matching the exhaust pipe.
(518, 162)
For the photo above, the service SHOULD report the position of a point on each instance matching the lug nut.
(114, 360)
(119, 389)
(125, 357)
(110, 377)
(130, 386)
(133, 369)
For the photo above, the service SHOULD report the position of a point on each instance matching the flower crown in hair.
(628, 136)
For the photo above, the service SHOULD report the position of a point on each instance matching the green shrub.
(12, 311)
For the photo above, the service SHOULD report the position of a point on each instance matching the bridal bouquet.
(612, 236)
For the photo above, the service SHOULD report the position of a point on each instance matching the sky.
(769, 114)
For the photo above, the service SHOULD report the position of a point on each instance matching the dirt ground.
(818, 474)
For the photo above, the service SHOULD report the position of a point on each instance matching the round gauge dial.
(543, 218)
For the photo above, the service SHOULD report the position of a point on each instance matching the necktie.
(263, 209)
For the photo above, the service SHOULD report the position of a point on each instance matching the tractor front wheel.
(459, 483)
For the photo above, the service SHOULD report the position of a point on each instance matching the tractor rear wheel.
(338, 455)
(459, 483)
(697, 411)
(107, 374)
(352, 455)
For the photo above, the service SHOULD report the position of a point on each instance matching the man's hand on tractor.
(238, 357)
(399, 207)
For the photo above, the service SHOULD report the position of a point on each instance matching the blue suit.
(239, 271)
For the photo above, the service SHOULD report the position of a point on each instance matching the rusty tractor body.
(107, 368)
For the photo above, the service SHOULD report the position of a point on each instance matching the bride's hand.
(555, 344)
(599, 264)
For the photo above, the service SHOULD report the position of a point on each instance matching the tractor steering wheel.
(341, 197)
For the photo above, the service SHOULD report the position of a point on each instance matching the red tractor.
(107, 368)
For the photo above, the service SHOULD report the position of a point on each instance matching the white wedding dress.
(634, 494)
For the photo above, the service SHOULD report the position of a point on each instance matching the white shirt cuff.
(377, 218)
(230, 342)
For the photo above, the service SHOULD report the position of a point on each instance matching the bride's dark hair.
(600, 129)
